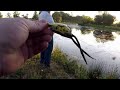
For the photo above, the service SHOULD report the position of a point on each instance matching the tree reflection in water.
(103, 36)
(85, 30)
(117, 32)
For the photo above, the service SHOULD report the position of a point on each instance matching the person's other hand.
(20, 39)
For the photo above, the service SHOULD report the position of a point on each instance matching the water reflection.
(103, 36)
(117, 32)
(85, 30)
(107, 52)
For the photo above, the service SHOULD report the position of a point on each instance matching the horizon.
(72, 13)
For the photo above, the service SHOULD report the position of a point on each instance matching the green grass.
(61, 68)
(103, 27)
(69, 66)
(98, 72)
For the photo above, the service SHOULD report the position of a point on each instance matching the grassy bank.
(61, 68)
(103, 27)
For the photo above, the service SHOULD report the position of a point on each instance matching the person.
(46, 54)
(20, 39)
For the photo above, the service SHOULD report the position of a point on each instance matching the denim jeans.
(46, 54)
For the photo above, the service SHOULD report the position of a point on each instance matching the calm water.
(105, 47)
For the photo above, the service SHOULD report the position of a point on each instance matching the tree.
(1, 15)
(98, 19)
(77, 19)
(105, 19)
(16, 14)
(117, 24)
(35, 16)
(108, 19)
(9, 15)
(85, 20)
(57, 17)
(66, 17)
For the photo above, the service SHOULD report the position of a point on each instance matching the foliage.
(105, 19)
(98, 19)
(57, 17)
(68, 18)
(35, 16)
(16, 14)
(117, 24)
(61, 68)
(86, 20)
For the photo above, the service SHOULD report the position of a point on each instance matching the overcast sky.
(74, 13)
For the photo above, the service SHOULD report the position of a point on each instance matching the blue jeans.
(46, 55)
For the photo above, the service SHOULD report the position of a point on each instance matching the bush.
(105, 19)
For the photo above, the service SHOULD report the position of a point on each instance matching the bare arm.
(21, 39)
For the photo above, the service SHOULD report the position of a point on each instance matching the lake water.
(106, 50)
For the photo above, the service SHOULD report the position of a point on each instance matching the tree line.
(103, 19)
(60, 17)
(17, 14)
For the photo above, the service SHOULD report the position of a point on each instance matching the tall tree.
(57, 17)
(85, 20)
(35, 16)
(16, 14)
(105, 19)
(108, 19)
(98, 19)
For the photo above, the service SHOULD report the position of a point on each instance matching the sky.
(73, 13)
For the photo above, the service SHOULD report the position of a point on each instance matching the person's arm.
(20, 39)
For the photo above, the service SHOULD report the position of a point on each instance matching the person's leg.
(46, 55)
(42, 57)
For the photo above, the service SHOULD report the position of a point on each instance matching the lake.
(103, 46)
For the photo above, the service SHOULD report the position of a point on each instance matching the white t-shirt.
(46, 16)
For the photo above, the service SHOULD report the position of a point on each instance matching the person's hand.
(20, 39)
